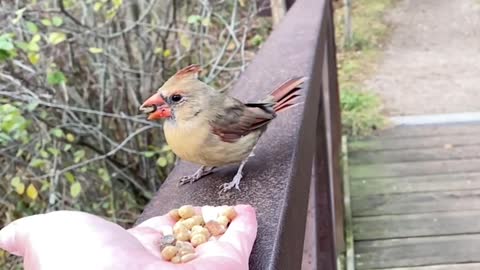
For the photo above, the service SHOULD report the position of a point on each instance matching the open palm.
(77, 240)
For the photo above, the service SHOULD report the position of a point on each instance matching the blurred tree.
(72, 75)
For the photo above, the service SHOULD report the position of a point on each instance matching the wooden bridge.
(411, 193)
(415, 197)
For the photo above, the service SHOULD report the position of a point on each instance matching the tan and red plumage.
(211, 128)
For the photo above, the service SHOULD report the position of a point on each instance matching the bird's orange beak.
(156, 108)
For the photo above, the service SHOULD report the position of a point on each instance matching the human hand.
(77, 240)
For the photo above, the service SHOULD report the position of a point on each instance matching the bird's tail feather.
(286, 95)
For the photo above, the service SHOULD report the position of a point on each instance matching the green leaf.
(111, 13)
(194, 19)
(46, 22)
(32, 192)
(4, 137)
(97, 6)
(149, 154)
(6, 44)
(19, 153)
(4, 55)
(256, 40)
(185, 41)
(68, 3)
(57, 133)
(157, 50)
(22, 45)
(56, 38)
(206, 22)
(33, 57)
(20, 189)
(70, 137)
(15, 181)
(32, 28)
(78, 155)
(45, 185)
(57, 21)
(43, 114)
(56, 77)
(162, 162)
(67, 147)
(117, 3)
(38, 163)
(70, 177)
(53, 151)
(18, 185)
(44, 154)
(19, 14)
(170, 157)
(36, 38)
(75, 189)
(104, 174)
(33, 47)
(95, 50)
(167, 53)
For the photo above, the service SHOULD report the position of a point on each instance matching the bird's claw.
(232, 184)
(194, 177)
(187, 180)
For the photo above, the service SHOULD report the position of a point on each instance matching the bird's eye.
(176, 98)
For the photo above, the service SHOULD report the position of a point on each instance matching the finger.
(8, 239)
(242, 231)
(13, 237)
(150, 239)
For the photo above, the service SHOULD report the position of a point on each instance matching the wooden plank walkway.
(415, 198)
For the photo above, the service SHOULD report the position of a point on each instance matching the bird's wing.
(238, 119)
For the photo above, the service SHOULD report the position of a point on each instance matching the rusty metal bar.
(277, 180)
(335, 128)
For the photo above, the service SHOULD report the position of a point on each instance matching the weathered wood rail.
(299, 152)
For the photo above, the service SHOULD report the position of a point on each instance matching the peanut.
(198, 220)
(189, 223)
(183, 236)
(188, 257)
(223, 220)
(186, 211)
(174, 214)
(215, 228)
(169, 252)
(176, 259)
(198, 239)
(229, 212)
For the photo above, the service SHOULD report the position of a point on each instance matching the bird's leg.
(204, 170)
(238, 176)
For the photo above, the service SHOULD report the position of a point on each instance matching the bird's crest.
(190, 71)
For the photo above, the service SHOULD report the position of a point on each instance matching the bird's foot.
(234, 183)
(203, 171)
(236, 179)
(188, 179)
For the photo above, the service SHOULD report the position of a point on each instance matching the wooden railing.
(297, 156)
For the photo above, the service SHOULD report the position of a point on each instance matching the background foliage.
(72, 77)
(361, 108)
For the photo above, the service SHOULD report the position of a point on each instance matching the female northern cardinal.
(210, 128)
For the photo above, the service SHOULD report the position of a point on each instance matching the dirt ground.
(432, 62)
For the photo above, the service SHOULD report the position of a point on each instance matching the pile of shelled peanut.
(192, 230)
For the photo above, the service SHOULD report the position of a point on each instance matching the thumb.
(14, 236)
